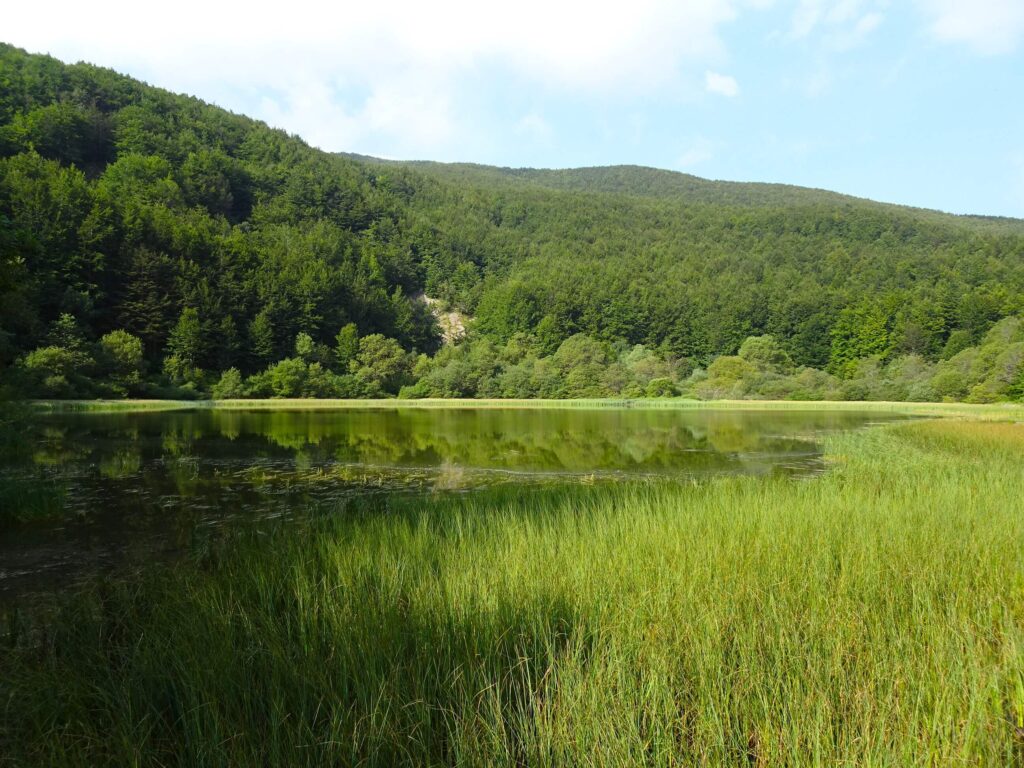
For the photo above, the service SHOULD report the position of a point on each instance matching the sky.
(919, 102)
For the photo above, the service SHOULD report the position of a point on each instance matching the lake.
(134, 486)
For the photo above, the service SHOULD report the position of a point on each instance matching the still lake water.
(144, 485)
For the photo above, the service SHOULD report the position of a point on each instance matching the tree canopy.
(152, 244)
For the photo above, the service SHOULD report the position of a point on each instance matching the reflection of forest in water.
(574, 441)
(138, 484)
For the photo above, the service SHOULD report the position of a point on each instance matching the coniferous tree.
(261, 340)
(147, 306)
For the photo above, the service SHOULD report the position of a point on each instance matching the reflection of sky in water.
(137, 483)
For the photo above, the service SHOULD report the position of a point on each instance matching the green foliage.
(148, 297)
(346, 345)
(985, 373)
(581, 361)
(121, 360)
(381, 365)
(767, 354)
(55, 372)
(1015, 391)
(293, 377)
(186, 345)
(261, 338)
(229, 386)
(287, 378)
(216, 182)
(60, 131)
(859, 332)
(126, 207)
(508, 309)
(65, 333)
(547, 335)
(661, 387)
(957, 342)
(728, 378)
(304, 347)
(227, 343)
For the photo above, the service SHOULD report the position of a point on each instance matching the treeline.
(526, 366)
(153, 245)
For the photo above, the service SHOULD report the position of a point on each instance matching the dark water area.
(133, 487)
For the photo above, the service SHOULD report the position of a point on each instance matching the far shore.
(995, 411)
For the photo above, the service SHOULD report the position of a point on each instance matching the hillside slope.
(217, 240)
(663, 258)
(644, 181)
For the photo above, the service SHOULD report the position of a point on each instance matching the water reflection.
(140, 484)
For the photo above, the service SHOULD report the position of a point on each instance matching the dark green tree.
(148, 298)
(261, 339)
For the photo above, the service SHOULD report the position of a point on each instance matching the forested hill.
(125, 205)
(664, 258)
(636, 180)
(130, 213)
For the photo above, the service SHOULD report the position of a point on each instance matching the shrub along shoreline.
(580, 367)
(873, 615)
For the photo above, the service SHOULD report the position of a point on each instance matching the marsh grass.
(988, 412)
(107, 406)
(28, 499)
(871, 616)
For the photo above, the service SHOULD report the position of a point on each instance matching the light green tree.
(346, 346)
(185, 345)
(229, 386)
(381, 364)
(765, 353)
(121, 359)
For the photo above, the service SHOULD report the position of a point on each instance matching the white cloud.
(844, 23)
(312, 109)
(724, 85)
(987, 26)
(852, 37)
(869, 22)
(805, 18)
(533, 127)
(700, 151)
(345, 75)
(818, 83)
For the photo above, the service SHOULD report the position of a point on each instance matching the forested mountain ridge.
(677, 266)
(644, 181)
(151, 241)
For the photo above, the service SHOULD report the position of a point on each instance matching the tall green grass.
(871, 616)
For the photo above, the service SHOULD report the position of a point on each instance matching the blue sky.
(919, 102)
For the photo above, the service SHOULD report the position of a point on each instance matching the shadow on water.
(111, 490)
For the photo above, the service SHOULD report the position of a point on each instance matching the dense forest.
(152, 245)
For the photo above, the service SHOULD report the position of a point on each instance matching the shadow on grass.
(270, 654)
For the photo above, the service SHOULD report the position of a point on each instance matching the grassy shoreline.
(997, 411)
(872, 616)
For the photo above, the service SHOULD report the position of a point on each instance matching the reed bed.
(107, 406)
(987, 412)
(870, 616)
